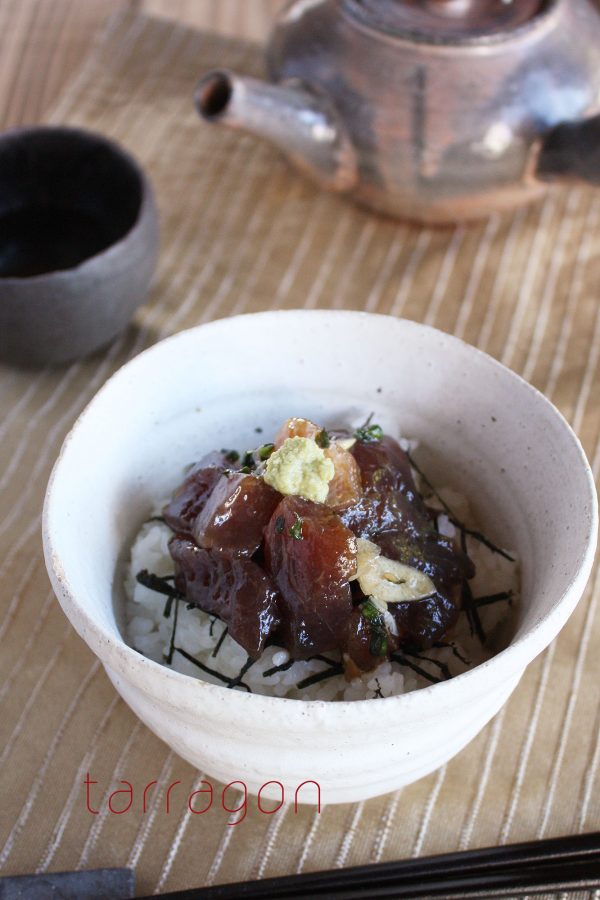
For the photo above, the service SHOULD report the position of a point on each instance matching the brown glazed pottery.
(435, 110)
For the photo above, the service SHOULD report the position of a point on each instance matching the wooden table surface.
(44, 42)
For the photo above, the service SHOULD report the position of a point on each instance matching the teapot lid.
(445, 21)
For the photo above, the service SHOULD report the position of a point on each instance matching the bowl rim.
(147, 202)
(508, 663)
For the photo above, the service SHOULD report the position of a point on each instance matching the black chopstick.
(571, 848)
(522, 879)
(549, 852)
(556, 864)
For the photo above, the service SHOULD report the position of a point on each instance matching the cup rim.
(146, 199)
(510, 662)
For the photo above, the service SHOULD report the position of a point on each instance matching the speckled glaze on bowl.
(482, 428)
(71, 181)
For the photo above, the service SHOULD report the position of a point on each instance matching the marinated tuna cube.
(345, 489)
(188, 501)
(368, 640)
(390, 500)
(430, 552)
(385, 466)
(377, 512)
(421, 623)
(297, 427)
(235, 589)
(235, 515)
(311, 556)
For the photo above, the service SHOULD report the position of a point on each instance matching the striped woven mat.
(241, 232)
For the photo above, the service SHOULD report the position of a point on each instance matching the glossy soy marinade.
(283, 569)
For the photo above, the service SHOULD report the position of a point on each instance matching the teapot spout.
(293, 118)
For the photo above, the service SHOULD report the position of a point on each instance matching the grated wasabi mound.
(300, 468)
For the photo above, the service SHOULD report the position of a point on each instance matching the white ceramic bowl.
(483, 430)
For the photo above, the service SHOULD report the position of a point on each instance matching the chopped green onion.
(379, 636)
(322, 439)
(265, 451)
(248, 459)
(296, 529)
(368, 434)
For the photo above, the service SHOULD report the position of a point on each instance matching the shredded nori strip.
(443, 668)
(159, 584)
(367, 421)
(204, 668)
(325, 659)
(493, 598)
(467, 602)
(453, 648)
(282, 668)
(476, 535)
(399, 658)
(219, 643)
(172, 641)
(288, 665)
(320, 676)
(237, 681)
(472, 613)
(377, 692)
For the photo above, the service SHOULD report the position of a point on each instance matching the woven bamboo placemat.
(241, 232)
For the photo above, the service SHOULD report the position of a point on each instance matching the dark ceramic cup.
(78, 243)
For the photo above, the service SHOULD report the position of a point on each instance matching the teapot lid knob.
(445, 20)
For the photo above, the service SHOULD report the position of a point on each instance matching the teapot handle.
(571, 151)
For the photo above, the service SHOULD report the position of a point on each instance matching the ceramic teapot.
(432, 110)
